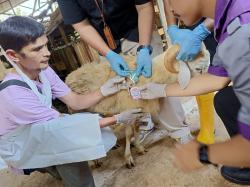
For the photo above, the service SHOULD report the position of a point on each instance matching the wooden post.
(65, 39)
(2, 70)
(70, 57)
(160, 5)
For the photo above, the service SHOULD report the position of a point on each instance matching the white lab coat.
(67, 139)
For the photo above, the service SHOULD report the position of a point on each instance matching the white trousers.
(171, 116)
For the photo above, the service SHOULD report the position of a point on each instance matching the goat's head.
(198, 66)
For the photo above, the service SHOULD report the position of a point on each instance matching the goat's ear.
(202, 54)
(203, 48)
(170, 58)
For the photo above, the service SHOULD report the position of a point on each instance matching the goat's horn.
(170, 58)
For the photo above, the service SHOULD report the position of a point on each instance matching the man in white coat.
(32, 133)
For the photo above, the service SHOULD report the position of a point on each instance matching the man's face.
(35, 56)
(187, 11)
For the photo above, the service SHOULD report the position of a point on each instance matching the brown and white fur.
(92, 76)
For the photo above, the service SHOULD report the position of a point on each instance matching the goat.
(165, 69)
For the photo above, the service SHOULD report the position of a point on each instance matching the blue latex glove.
(144, 63)
(117, 63)
(189, 41)
(175, 33)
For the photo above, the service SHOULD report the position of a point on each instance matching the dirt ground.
(154, 169)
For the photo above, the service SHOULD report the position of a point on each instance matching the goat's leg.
(97, 163)
(127, 155)
(139, 147)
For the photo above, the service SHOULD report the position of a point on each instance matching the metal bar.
(12, 7)
(5, 5)
(41, 7)
(32, 15)
(7, 14)
(25, 7)
(34, 8)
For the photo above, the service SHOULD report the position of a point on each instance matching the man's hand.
(113, 86)
(128, 117)
(175, 33)
(152, 91)
(144, 63)
(189, 41)
(187, 156)
(117, 63)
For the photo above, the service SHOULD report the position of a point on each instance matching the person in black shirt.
(132, 20)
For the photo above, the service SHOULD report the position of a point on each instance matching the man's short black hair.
(18, 31)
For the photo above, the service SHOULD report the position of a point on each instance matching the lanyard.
(106, 30)
(101, 11)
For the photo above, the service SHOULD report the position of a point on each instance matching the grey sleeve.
(235, 53)
(216, 67)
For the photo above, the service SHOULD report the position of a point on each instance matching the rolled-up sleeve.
(58, 87)
(71, 11)
(216, 68)
(244, 130)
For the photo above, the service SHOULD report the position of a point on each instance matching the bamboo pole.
(2, 70)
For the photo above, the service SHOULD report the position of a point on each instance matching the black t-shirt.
(120, 15)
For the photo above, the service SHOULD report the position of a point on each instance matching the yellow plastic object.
(206, 111)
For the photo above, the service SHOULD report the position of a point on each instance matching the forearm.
(145, 22)
(234, 152)
(198, 85)
(209, 23)
(104, 122)
(89, 34)
(85, 101)
(171, 20)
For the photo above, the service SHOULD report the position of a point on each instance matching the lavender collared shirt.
(20, 106)
(226, 12)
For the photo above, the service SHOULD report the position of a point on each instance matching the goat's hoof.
(97, 163)
(129, 166)
(130, 162)
(116, 147)
(141, 150)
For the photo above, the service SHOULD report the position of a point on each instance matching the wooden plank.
(69, 52)
(161, 10)
(2, 70)
(61, 30)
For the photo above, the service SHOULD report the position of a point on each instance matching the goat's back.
(92, 76)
